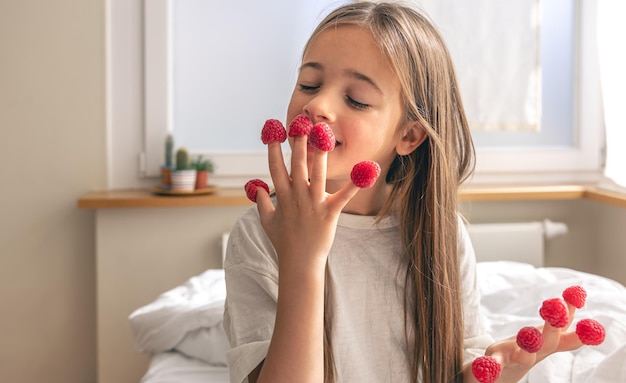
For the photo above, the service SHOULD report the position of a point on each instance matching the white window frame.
(139, 116)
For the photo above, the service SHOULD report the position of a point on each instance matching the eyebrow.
(347, 73)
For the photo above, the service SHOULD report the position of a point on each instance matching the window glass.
(233, 70)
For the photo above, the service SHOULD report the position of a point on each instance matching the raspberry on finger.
(575, 296)
(300, 126)
(530, 339)
(251, 188)
(486, 369)
(554, 311)
(273, 131)
(322, 137)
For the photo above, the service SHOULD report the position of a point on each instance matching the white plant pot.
(184, 180)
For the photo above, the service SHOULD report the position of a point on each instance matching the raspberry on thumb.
(590, 332)
(486, 369)
(251, 188)
(365, 173)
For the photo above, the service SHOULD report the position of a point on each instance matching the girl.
(330, 283)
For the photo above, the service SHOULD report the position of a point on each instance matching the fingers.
(318, 174)
(571, 311)
(277, 168)
(344, 195)
(551, 338)
(299, 169)
(264, 203)
(569, 342)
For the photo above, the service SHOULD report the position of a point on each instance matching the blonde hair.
(424, 185)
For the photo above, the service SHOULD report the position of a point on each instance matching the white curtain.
(495, 46)
(612, 60)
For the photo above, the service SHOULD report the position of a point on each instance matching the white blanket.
(188, 319)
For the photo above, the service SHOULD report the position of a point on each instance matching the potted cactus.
(184, 175)
(168, 167)
(203, 169)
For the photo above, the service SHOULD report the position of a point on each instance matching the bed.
(182, 328)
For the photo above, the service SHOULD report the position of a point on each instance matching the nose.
(320, 108)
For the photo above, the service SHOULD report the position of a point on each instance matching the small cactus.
(182, 159)
(169, 151)
(200, 164)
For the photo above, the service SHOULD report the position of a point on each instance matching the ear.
(413, 134)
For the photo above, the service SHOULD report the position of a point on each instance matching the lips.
(311, 147)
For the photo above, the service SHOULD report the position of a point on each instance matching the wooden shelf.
(145, 198)
(521, 192)
(236, 197)
(606, 196)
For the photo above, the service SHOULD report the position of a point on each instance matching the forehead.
(350, 47)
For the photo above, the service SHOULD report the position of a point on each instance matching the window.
(571, 157)
(612, 62)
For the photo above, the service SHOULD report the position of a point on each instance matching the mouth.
(312, 148)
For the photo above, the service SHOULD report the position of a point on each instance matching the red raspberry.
(590, 332)
(575, 296)
(486, 369)
(554, 312)
(251, 188)
(273, 130)
(365, 173)
(530, 339)
(322, 137)
(300, 126)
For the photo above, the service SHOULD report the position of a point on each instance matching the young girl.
(327, 282)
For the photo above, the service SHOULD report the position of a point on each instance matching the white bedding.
(174, 367)
(182, 328)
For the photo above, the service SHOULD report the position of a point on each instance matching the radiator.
(517, 241)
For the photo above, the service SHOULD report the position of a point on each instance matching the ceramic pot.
(183, 180)
(202, 179)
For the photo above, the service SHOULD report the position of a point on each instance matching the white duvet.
(187, 320)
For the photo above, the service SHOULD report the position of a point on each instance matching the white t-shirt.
(366, 286)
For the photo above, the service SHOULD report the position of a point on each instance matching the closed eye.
(307, 88)
(355, 104)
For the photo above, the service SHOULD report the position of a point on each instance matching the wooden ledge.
(237, 197)
(145, 198)
(520, 192)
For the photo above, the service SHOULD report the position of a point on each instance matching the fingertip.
(263, 201)
(345, 194)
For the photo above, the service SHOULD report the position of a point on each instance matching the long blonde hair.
(424, 185)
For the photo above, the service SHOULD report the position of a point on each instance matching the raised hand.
(304, 218)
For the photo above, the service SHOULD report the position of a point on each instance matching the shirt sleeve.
(476, 339)
(251, 275)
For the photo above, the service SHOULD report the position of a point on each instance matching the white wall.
(52, 146)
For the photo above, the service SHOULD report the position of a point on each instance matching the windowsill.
(236, 196)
